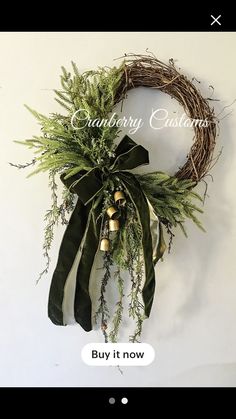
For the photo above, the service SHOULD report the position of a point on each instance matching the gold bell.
(119, 198)
(105, 245)
(113, 213)
(114, 225)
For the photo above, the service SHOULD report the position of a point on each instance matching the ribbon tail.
(158, 241)
(82, 302)
(86, 185)
(139, 200)
(68, 250)
(161, 246)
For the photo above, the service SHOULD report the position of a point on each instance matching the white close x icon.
(215, 20)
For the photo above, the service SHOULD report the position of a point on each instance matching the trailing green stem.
(103, 311)
(117, 319)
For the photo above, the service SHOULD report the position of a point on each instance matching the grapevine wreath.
(112, 208)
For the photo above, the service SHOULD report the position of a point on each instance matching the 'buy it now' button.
(113, 354)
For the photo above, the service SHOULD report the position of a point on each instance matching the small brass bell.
(119, 198)
(105, 245)
(114, 225)
(112, 213)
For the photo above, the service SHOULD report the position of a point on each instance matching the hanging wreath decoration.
(112, 208)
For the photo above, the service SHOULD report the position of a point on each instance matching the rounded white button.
(124, 400)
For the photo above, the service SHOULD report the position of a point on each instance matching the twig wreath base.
(113, 210)
(148, 71)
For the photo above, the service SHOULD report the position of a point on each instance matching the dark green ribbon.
(83, 231)
(128, 155)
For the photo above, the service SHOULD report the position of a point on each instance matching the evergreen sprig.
(128, 254)
(127, 243)
(103, 310)
(65, 147)
(171, 198)
(56, 213)
(117, 318)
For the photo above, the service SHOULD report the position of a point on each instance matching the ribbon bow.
(128, 155)
(83, 232)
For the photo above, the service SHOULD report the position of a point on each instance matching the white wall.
(192, 325)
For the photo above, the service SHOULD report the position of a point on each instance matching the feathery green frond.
(171, 198)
